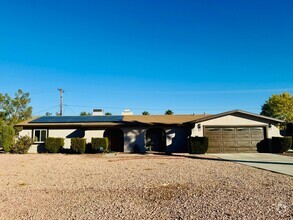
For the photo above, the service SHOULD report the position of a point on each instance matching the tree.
(85, 114)
(279, 106)
(15, 110)
(108, 113)
(48, 114)
(6, 137)
(169, 112)
(145, 113)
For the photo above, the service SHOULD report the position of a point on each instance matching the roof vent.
(127, 112)
(98, 112)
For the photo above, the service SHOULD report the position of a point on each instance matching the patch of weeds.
(147, 169)
(164, 191)
(22, 184)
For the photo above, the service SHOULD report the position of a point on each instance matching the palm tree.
(169, 112)
(145, 113)
(48, 113)
(85, 113)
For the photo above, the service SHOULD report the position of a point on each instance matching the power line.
(181, 92)
(70, 109)
(134, 108)
(46, 109)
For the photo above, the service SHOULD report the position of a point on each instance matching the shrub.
(198, 145)
(54, 145)
(100, 144)
(78, 145)
(22, 145)
(289, 131)
(6, 137)
(263, 146)
(281, 144)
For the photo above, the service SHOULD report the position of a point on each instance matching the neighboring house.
(233, 131)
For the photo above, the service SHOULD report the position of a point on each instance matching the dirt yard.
(47, 186)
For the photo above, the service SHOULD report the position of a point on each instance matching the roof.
(162, 119)
(88, 121)
(77, 119)
(237, 111)
(93, 121)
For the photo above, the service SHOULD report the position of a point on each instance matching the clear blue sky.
(188, 56)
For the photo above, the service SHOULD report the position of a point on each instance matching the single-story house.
(232, 131)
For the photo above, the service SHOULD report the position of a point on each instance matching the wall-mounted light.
(199, 126)
(270, 125)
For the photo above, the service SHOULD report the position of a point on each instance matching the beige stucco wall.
(63, 133)
(67, 134)
(234, 120)
(134, 137)
(25, 132)
(28, 132)
(89, 134)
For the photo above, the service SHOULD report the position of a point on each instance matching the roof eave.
(238, 111)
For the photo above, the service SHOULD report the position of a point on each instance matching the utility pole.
(61, 97)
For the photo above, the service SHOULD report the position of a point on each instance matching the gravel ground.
(45, 186)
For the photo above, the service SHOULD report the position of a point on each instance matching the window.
(242, 129)
(228, 129)
(40, 135)
(213, 129)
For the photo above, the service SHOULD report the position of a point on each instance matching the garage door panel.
(215, 150)
(214, 137)
(228, 130)
(245, 149)
(242, 130)
(244, 143)
(255, 142)
(257, 136)
(229, 144)
(228, 136)
(246, 135)
(215, 144)
(212, 129)
(228, 150)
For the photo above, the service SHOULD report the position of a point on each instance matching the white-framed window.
(40, 135)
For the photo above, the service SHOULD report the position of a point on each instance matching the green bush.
(22, 145)
(198, 145)
(6, 137)
(78, 145)
(263, 146)
(54, 145)
(281, 144)
(289, 131)
(100, 144)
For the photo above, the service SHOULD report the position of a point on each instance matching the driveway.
(272, 162)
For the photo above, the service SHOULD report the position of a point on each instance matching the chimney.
(127, 112)
(97, 112)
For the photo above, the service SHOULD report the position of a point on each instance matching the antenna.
(61, 99)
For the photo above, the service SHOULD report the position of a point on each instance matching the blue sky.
(188, 56)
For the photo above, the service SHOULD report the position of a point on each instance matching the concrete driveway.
(272, 162)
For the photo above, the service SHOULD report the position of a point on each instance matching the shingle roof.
(162, 119)
(109, 120)
(92, 121)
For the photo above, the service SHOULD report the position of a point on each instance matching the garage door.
(233, 139)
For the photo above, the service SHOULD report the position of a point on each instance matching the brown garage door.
(233, 139)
